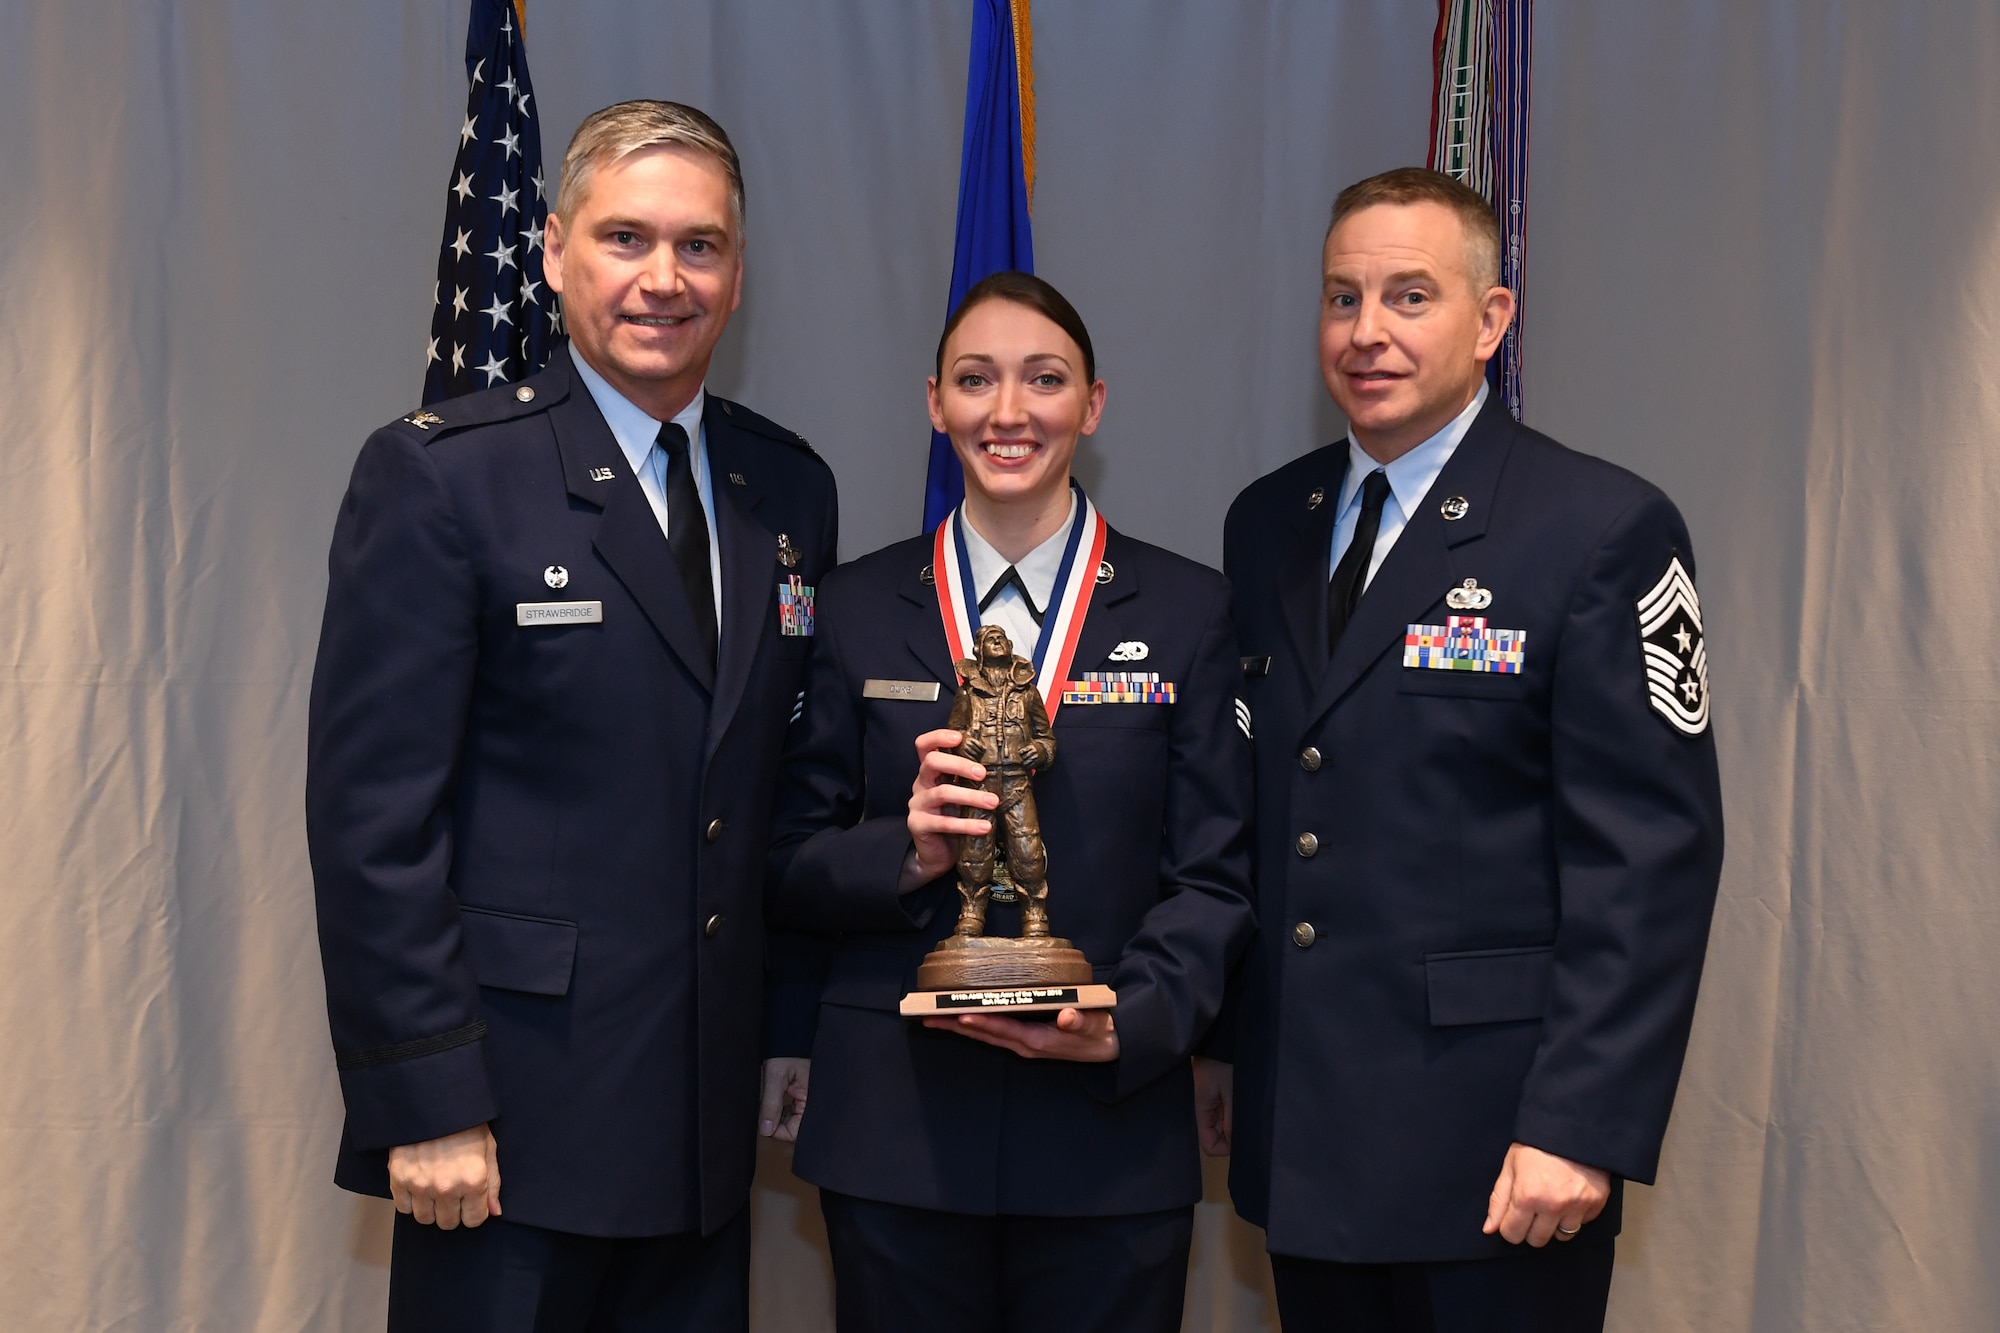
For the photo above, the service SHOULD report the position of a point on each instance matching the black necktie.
(687, 532)
(1350, 576)
(1012, 579)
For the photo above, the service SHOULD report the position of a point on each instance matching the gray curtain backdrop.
(1764, 268)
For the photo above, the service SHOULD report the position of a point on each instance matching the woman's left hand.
(1088, 1035)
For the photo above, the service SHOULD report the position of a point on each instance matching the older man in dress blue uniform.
(565, 630)
(1489, 821)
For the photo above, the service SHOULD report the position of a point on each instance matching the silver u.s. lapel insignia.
(602, 474)
(1317, 497)
(1468, 596)
(788, 554)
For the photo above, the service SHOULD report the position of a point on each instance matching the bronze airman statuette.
(1000, 713)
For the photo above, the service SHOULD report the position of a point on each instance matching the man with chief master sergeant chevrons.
(1489, 822)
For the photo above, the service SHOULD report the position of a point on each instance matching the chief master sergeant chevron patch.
(1676, 658)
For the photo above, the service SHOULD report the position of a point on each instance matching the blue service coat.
(1144, 815)
(538, 850)
(1499, 933)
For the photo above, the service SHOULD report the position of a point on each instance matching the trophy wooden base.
(1011, 1000)
(984, 962)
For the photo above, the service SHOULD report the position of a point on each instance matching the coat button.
(713, 926)
(1307, 844)
(1303, 934)
(1309, 759)
(715, 827)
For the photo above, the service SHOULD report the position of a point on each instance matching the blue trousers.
(1560, 1288)
(898, 1269)
(504, 1277)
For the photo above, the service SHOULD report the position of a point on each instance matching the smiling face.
(1013, 398)
(1404, 334)
(650, 268)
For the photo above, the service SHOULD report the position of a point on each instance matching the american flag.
(495, 318)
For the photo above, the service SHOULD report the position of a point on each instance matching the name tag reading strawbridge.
(558, 613)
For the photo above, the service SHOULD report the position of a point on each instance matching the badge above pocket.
(1464, 643)
(795, 608)
(1118, 687)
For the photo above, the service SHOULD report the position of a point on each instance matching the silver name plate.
(558, 613)
(922, 691)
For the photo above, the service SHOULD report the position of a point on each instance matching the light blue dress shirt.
(1038, 567)
(1410, 478)
(637, 433)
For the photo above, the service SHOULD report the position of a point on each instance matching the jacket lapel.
(1105, 628)
(1303, 567)
(750, 569)
(926, 640)
(628, 537)
(1417, 573)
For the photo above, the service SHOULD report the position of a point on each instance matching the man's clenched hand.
(447, 1181)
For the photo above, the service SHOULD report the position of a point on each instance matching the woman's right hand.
(934, 826)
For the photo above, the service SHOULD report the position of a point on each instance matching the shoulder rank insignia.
(1676, 658)
(1243, 719)
(1463, 643)
(424, 419)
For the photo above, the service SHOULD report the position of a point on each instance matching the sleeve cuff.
(411, 1101)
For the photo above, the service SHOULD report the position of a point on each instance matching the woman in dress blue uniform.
(980, 1172)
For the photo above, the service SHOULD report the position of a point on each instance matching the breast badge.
(788, 554)
(1118, 687)
(1675, 656)
(1468, 596)
(556, 576)
(795, 608)
(1464, 643)
(1132, 650)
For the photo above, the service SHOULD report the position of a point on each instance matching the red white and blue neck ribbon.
(1062, 624)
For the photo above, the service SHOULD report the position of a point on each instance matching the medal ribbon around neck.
(1062, 626)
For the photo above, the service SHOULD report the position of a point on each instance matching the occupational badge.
(795, 608)
(1676, 658)
(1464, 643)
(788, 554)
(556, 576)
(1132, 650)
(1468, 596)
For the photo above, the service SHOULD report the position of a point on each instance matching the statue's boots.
(1035, 915)
(971, 914)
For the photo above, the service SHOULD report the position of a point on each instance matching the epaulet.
(483, 407)
(758, 424)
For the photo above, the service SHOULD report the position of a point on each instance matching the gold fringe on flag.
(1024, 73)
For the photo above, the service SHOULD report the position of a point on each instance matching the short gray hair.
(615, 133)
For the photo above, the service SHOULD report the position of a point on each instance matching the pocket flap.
(1488, 985)
(535, 954)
